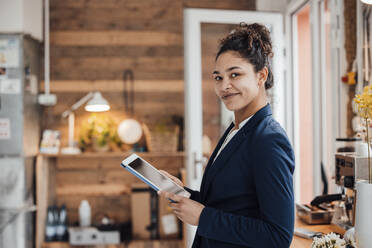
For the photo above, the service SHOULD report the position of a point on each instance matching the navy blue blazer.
(248, 191)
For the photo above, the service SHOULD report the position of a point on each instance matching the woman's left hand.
(185, 209)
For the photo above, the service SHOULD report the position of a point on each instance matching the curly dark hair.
(252, 42)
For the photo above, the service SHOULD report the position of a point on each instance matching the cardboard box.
(169, 225)
(141, 211)
(152, 218)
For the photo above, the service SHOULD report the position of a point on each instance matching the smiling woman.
(246, 196)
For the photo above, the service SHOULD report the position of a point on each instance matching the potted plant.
(99, 133)
(363, 218)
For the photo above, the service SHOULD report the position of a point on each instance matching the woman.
(246, 195)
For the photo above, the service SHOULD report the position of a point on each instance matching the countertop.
(299, 242)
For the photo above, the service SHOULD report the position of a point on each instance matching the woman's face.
(236, 82)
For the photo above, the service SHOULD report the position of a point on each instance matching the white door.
(203, 114)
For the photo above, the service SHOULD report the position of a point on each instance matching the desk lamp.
(96, 103)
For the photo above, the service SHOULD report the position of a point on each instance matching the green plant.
(99, 130)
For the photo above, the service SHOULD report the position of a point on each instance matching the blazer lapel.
(221, 161)
(214, 154)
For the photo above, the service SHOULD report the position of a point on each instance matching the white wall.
(22, 16)
(270, 5)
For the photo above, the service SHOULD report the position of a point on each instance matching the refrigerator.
(19, 138)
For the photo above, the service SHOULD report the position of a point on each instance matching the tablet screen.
(162, 182)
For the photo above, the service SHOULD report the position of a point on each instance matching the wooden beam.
(67, 245)
(155, 243)
(115, 38)
(129, 4)
(119, 63)
(64, 86)
(157, 17)
(117, 51)
(167, 161)
(93, 189)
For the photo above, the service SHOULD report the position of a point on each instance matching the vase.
(99, 148)
(363, 216)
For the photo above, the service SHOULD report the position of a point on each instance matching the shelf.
(67, 245)
(132, 244)
(115, 154)
(93, 190)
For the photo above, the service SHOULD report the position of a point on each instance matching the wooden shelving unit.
(132, 244)
(114, 154)
(98, 177)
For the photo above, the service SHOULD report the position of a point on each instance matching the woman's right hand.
(174, 179)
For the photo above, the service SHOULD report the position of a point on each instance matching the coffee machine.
(349, 168)
(337, 208)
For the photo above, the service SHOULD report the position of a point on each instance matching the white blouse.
(231, 134)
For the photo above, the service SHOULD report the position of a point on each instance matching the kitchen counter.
(299, 242)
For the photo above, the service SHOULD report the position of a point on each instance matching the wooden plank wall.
(102, 182)
(93, 41)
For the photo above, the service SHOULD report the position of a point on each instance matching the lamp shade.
(366, 1)
(97, 104)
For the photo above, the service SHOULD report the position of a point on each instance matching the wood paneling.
(103, 182)
(114, 75)
(115, 38)
(116, 4)
(99, 68)
(66, 86)
(115, 51)
(115, 207)
(220, 4)
(163, 17)
(156, 244)
(132, 244)
(94, 41)
(93, 190)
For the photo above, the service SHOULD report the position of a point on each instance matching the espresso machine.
(349, 168)
(339, 208)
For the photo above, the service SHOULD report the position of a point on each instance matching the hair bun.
(253, 42)
(256, 34)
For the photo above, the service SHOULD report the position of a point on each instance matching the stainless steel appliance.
(350, 168)
(19, 137)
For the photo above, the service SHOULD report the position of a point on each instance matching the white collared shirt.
(231, 134)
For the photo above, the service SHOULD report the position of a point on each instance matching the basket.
(165, 140)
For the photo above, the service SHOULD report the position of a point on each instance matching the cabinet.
(99, 178)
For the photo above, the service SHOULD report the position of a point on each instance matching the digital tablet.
(151, 176)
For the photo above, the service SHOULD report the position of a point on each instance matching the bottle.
(62, 224)
(50, 225)
(84, 213)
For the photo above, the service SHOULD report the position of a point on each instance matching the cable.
(128, 90)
